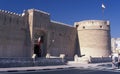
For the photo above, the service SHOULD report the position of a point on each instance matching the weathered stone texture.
(39, 26)
(20, 33)
(12, 35)
(94, 38)
(58, 38)
(64, 39)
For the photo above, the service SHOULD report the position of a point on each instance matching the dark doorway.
(42, 39)
(40, 43)
(37, 50)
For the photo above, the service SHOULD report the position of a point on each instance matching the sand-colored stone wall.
(19, 34)
(64, 39)
(94, 38)
(12, 35)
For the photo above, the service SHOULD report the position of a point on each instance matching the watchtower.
(94, 38)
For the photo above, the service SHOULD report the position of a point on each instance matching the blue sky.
(70, 11)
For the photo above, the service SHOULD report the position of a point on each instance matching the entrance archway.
(40, 43)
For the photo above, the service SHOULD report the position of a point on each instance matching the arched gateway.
(39, 43)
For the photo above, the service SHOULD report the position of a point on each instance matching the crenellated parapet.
(9, 13)
(7, 17)
(93, 24)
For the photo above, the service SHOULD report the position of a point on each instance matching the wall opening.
(76, 26)
(100, 26)
(83, 27)
(39, 44)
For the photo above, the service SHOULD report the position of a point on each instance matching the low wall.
(28, 62)
(100, 59)
(92, 59)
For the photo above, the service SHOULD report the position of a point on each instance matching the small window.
(77, 26)
(10, 19)
(100, 26)
(17, 21)
(4, 19)
(83, 27)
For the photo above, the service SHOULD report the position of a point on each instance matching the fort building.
(32, 32)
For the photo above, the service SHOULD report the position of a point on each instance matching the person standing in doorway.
(39, 46)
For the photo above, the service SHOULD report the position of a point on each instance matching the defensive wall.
(94, 38)
(64, 39)
(19, 34)
(13, 31)
(59, 38)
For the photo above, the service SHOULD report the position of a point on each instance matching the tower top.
(92, 24)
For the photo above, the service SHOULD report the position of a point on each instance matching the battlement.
(10, 13)
(7, 17)
(93, 24)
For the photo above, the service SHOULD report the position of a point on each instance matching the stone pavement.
(95, 66)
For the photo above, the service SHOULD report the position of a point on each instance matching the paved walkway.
(97, 66)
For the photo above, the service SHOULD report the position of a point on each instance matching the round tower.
(94, 38)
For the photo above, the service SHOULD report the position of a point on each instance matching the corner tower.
(94, 38)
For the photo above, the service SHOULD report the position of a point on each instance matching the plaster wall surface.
(20, 32)
(64, 39)
(94, 38)
(12, 35)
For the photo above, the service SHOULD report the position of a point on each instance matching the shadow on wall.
(77, 47)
